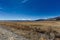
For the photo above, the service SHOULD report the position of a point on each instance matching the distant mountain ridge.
(50, 19)
(15, 20)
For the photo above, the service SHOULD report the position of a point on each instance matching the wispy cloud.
(24, 1)
(24, 19)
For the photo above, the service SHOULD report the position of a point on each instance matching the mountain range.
(50, 19)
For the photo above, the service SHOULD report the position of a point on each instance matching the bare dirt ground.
(6, 34)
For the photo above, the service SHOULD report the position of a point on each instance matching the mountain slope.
(50, 19)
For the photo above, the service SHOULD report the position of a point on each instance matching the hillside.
(50, 19)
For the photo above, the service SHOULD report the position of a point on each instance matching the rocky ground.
(8, 35)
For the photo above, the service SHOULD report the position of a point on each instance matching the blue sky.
(28, 9)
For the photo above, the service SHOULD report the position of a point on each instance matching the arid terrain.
(36, 30)
(6, 34)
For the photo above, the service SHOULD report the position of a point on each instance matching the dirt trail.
(6, 34)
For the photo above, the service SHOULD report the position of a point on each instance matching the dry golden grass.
(41, 24)
(30, 29)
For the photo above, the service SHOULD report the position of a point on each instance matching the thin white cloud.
(24, 1)
(24, 19)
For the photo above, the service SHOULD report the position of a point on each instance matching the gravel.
(8, 35)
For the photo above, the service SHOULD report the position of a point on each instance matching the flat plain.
(35, 30)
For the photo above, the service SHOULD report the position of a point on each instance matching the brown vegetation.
(41, 30)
